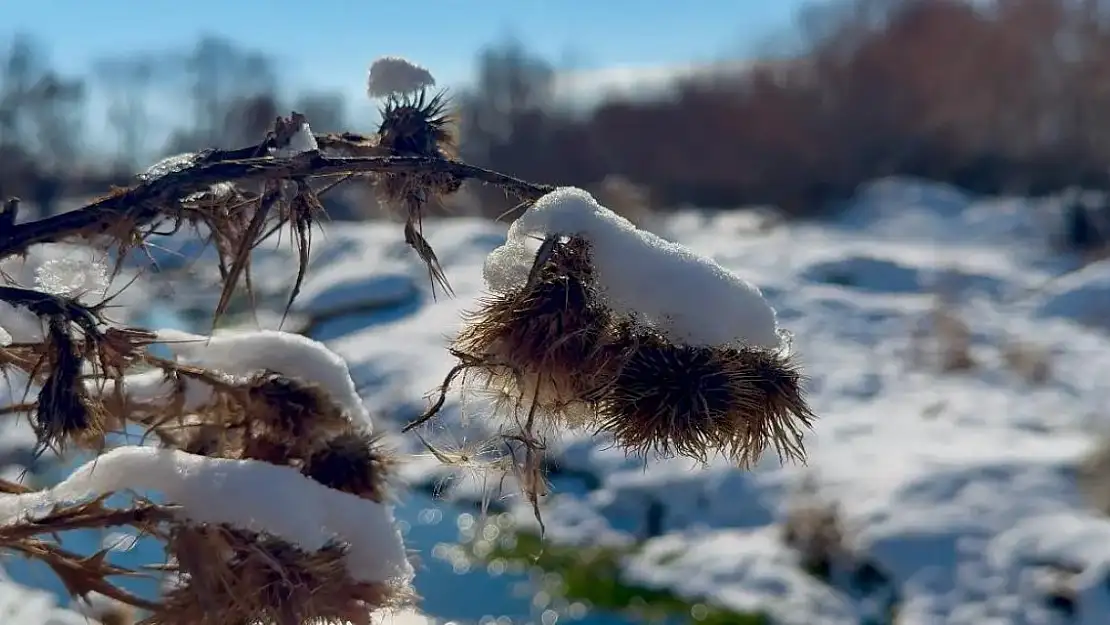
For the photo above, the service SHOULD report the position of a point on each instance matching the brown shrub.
(984, 97)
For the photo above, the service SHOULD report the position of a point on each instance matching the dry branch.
(145, 203)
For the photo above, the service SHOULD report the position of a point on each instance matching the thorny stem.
(64, 561)
(143, 203)
(434, 409)
(466, 361)
(47, 305)
(137, 516)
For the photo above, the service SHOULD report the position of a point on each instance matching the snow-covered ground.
(959, 487)
(956, 491)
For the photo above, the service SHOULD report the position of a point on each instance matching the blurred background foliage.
(995, 97)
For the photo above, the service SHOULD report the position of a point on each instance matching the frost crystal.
(394, 75)
(72, 277)
(219, 191)
(119, 541)
(168, 165)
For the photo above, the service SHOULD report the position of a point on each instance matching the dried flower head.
(543, 341)
(233, 576)
(353, 462)
(413, 125)
(63, 414)
(390, 75)
(293, 407)
(208, 439)
(286, 417)
(694, 400)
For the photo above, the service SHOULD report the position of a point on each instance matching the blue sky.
(331, 45)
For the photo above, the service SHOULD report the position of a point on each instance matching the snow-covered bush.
(275, 489)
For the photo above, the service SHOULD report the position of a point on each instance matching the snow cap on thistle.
(393, 75)
(686, 296)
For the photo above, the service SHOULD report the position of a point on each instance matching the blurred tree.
(510, 85)
(40, 124)
(247, 118)
(326, 112)
(128, 80)
(225, 85)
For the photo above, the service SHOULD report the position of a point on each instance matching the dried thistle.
(236, 238)
(208, 439)
(353, 462)
(82, 575)
(294, 407)
(217, 405)
(122, 347)
(285, 417)
(529, 466)
(544, 341)
(694, 400)
(304, 211)
(241, 578)
(62, 413)
(413, 125)
(233, 577)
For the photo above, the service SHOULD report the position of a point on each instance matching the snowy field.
(955, 491)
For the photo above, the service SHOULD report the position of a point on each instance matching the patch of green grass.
(592, 575)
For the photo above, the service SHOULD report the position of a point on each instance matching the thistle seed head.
(696, 400)
(414, 125)
(352, 462)
(234, 576)
(293, 408)
(63, 414)
(546, 336)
